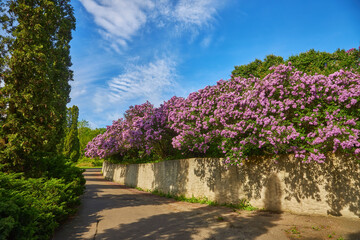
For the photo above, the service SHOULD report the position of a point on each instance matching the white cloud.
(78, 92)
(119, 23)
(206, 42)
(148, 81)
(120, 20)
(155, 81)
(88, 72)
(186, 12)
(198, 12)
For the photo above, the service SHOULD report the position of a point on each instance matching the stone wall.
(332, 188)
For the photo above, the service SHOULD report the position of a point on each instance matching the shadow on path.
(101, 195)
(113, 211)
(201, 223)
(354, 236)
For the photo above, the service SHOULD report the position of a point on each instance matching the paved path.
(112, 211)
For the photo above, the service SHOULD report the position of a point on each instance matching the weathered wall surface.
(288, 185)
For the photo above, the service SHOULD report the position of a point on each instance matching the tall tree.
(35, 73)
(86, 134)
(72, 144)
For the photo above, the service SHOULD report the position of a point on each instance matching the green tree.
(86, 134)
(257, 68)
(71, 143)
(35, 77)
(310, 62)
(326, 63)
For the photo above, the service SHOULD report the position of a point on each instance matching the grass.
(294, 231)
(89, 163)
(87, 167)
(241, 205)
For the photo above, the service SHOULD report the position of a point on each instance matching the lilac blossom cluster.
(351, 50)
(143, 128)
(285, 112)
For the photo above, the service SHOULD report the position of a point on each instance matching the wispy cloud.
(206, 42)
(89, 72)
(197, 13)
(100, 90)
(155, 81)
(149, 81)
(120, 20)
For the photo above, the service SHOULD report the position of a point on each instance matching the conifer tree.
(72, 143)
(35, 74)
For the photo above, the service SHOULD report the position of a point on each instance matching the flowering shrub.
(109, 143)
(144, 129)
(286, 112)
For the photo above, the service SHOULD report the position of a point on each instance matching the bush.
(285, 112)
(266, 111)
(143, 134)
(31, 208)
(86, 134)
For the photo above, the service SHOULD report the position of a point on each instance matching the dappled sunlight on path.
(113, 211)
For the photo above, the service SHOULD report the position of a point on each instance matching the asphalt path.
(113, 211)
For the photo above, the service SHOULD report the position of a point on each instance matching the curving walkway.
(113, 211)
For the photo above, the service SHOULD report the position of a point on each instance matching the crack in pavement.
(96, 229)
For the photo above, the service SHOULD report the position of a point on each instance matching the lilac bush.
(144, 129)
(285, 112)
(113, 141)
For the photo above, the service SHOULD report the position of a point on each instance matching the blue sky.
(125, 52)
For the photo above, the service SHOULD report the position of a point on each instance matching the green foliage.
(34, 75)
(72, 143)
(310, 62)
(60, 167)
(134, 156)
(257, 68)
(326, 63)
(86, 134)
(35, 61)
(31, 208)
(86, 162)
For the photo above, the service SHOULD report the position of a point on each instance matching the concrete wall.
(288, 185)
